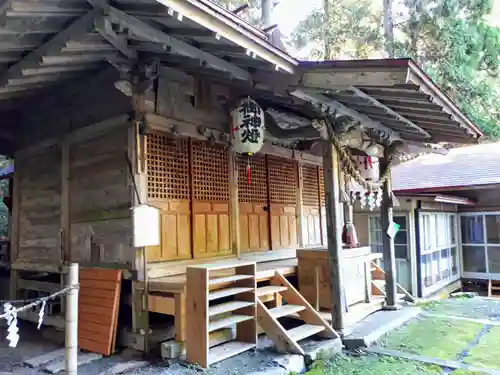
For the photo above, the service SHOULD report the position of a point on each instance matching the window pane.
(454, 261)
(400, 238)
(493, 228)
(426, 269)
(494, 259)
(474, 259)
(453, 239)
(401, 251)
(445, 263)
(435, 267)
(376, 248)
(401, 220)
(375, 223)
(472, 229)
(442, 228)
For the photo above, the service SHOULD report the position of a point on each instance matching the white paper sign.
(393, 229)
(146, 226)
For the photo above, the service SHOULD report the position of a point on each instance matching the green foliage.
(450, 39)
(251, 15)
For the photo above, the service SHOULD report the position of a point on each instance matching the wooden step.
(303, 331)
(495, 287)
(271, 289)
(281, 311)
(216, 294)
(229, 349)
(228, 279)
(214, 325)
(228, 307)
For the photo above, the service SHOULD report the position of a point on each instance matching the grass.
(486, 353)
(433, 337)
(371, 364)
(467, 372)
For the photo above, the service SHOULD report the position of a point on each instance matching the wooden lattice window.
(168, 167)
(322, 187)
(210, 172)
(282, 181)
(256, 190)
(310, 186)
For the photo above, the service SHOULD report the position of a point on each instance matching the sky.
(288, 13)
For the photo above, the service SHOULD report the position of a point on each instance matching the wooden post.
(300, 210)
(65, 201)
(235, 206)
(388, 241)
(14, 229)
(334, 232)
(72, 321)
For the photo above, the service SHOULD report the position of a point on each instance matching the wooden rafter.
(81, 26)
(387, 110)
(365, 120)
(150, 33)
(104, 27)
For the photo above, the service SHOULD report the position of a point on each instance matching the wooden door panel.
(311, 226)
(175, 239)
(211, 229)
(254, 227)
(283, 227)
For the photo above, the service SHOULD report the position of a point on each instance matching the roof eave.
(234, 29)
(417, 76)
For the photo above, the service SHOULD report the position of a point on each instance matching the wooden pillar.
(388, 241)
(334, 233)
(65, 201)
(299, 211)
(235, 205)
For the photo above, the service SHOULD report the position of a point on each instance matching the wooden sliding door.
(282, 179)
(253, 203)
(169, 190)
(311, 217)
(210, 192)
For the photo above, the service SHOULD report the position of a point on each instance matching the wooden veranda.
(106, 106)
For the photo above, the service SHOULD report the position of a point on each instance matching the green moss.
(432, 337)
(371, 364)
(467, 372)
(486, 353)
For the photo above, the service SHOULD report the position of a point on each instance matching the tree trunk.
(415, 27)
(267, 8)
(327, 6)
(388, 29)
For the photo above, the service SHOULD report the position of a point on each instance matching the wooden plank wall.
(40, 207)
(311, 220)
(100, 200)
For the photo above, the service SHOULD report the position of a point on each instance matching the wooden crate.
(212, 310)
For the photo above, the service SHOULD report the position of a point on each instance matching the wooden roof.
(388, 94)
(49, 43)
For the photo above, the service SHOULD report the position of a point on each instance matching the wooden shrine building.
(108, 105)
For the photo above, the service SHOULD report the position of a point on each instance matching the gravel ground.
(32, 344)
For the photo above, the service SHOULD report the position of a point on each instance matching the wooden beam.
(65, 200)
(227, 25)
(334, 230)
(386, 219)
(342, 109)
(235, 206)
(81, 26)
(105, 29)
(388, 110)
(150, 33)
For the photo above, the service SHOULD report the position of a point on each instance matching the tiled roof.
(461, 167)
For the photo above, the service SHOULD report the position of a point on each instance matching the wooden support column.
(65, 201)
(235, 205)
(334, 232)
(299, 211)
(387, 241)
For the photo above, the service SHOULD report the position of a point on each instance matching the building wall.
(74, 199)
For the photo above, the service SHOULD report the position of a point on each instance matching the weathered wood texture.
(253, 201)
(311, 219)
(40, 207)
(282, 177)
(100, 200)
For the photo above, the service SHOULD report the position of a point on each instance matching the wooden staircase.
(493, 289)
(378, 284)
(287, 340)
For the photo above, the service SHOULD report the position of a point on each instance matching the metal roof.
(470, 166)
